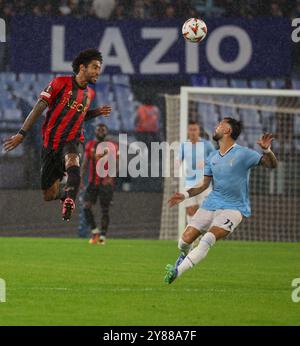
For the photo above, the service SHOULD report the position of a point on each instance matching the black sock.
(89, 217)
(73, 182)
(104, 221)
(62, 191)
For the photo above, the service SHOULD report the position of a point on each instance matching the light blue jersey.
(230, 174)
(194, 156)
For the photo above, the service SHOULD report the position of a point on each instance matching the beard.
(101, 138)
(217, 136)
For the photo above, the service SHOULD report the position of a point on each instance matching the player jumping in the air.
(100, 182)
(224, 208)
(68, 99)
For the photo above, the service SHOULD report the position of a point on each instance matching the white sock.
(197, 254)
(183, 246)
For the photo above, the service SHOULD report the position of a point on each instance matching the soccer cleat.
(102, 240)
(180, 259)
(94, 239)
(68, 208)
(171, 273)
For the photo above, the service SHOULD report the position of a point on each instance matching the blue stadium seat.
(242, 140)
(121, 79)
(297, 125)
(112, 122)
(104, 78)
(239, 83)
(252, 135)
(259, 84)
(267, 120)
(207, 109)
(44, 79)
(12, 114)
(250, 118)
(198, 80)
(277, 84)
(296, 84)
(7, 77)
(218, 82)
(27, 77)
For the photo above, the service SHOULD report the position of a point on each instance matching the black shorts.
(53, 162)
(105, 193)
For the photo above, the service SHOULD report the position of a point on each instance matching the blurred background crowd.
(150, 9)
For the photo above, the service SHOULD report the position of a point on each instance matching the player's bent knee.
(190, 234)
(218, 232)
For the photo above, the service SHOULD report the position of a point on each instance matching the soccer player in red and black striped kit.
(68, 99)
(101, 183)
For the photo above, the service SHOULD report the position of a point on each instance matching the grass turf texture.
(69, 282)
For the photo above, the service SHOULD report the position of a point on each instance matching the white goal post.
(261, 110)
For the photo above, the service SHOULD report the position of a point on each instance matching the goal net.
(274, 194)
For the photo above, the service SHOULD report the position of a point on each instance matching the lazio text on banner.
(240, 47)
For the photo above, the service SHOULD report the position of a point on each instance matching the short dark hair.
(85, 57)
(193, 122)
(236, 127)
(101, 125)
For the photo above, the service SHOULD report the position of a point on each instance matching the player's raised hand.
(265, 141)
(105, 110)
(175, 199)
(12, 142)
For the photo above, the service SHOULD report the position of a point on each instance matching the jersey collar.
(227, 150)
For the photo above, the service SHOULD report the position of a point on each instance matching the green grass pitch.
(69, 282)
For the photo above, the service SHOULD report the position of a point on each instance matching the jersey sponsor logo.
(73, 104)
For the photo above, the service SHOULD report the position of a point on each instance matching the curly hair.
(236, 126)
(85, 57)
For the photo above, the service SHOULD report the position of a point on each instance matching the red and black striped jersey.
(68, 104)
(92, 150)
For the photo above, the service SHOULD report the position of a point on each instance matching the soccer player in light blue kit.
(224, 208)
(193, 153)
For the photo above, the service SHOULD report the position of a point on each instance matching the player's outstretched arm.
(93, 113)
(12, 142)
(269, 159)
(180, 197)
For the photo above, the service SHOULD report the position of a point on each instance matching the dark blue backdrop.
(31, 45)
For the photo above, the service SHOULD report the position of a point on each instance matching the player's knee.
(71, 160)
(49, 195)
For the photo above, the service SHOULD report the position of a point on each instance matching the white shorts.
(227, 219)
(197, 200)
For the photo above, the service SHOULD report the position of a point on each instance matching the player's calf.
(51, 193)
